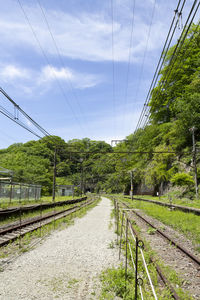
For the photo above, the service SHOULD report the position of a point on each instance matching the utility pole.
(54, 176)
(131, 174)
(192, 130)
(81, 161)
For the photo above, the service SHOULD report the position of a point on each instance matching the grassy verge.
(170, 199)
(186, 223)
(5, 203)
(32, 214)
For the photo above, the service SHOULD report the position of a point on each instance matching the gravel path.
(67, 264)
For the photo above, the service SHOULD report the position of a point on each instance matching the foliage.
(182, 179)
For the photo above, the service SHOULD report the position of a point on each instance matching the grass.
(113, 279)
(186, 223)
(5, 202)
(72, 282)
(31, 214)
(174, 200)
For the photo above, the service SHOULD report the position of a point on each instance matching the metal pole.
(194, 160)
(136, 266)
(131, 172)
(54, 176)
(11, 192)
(120, 244)
(20, 218)
(126, 262)
(117, 215)
(81, 179)
(40, 217)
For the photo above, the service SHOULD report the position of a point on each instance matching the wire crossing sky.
(78, 67)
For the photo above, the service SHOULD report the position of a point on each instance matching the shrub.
(182, 179)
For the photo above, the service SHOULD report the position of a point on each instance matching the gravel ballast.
(67, 264)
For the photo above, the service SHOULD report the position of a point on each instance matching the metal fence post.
(126, 262)
(117, 216)
(20, 219)
(40, 217)
(136, 267)
(11, 191)
(121, 234)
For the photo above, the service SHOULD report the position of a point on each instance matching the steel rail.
(58, 215)
(193, 210)
(194, 258)
(166, 282)
(25, 208)
(158, 269)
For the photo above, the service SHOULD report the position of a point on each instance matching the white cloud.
(12, 72)
(83, 36)
(50, 73)
(79, 80)
(25, 79)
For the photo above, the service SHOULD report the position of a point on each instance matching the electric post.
(54, 176)
(192, 130)
(131, 173)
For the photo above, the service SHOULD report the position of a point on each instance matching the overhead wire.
(6, 113)
(113, 69)
(145, 52)
(161, 62)
(178, 48)
(181, 41)
(129, 60)
(16, 119)
(59, 55)
(48, 63)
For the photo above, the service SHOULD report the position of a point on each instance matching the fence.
(19, 191)
(135, 247)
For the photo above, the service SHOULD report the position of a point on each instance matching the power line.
(113, 69)
(161, 60)
(48, 63)
(59, 55)
(145, 52)
(15, 119)
(129, 60)
(178, 48)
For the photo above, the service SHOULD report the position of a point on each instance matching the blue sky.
(71, 95)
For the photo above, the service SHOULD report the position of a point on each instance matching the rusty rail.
(48, 218)
(186, 209)
(194, 258)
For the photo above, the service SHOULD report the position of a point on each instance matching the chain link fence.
(14, 191)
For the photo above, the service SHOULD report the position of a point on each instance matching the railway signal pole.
(192, 130)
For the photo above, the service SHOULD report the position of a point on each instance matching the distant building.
(7, 174)
(65, 190)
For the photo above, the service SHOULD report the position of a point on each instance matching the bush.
(182, 179)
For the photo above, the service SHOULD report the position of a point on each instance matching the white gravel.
(67, 264)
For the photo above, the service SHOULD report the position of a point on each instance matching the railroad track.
(186, 209)
(4, 213)
(152, 259)
(14, 231)
(191, 262)
(193, 258)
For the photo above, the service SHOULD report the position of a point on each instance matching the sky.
(80, 68)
